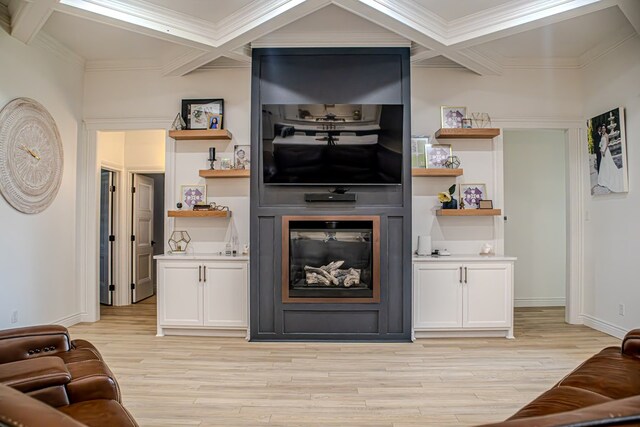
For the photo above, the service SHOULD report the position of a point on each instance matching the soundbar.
(329, 197)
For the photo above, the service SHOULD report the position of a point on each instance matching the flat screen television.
(332, 144)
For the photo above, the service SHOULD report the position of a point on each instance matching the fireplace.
(331, 259)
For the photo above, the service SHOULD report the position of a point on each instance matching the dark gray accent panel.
(395, 274)
(335, 322)
(343, 78)
(267, 279)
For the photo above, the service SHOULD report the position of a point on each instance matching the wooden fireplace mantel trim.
(286, 219)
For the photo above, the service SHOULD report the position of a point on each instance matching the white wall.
(531, 96)
(37, 254)
(144, 149)
(535, 203)
(612, 241)
(110, 150)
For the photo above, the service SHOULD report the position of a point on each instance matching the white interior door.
(142, 268)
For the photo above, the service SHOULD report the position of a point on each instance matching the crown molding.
(127, 123)
(606, 46)
(435, 62)
(515, 17)
(224, 62)
(180, 60)
(122, 65)
(135, 15)
(326, 39)
(50, 44)
(5, 18)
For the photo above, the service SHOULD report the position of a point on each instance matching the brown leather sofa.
(603, 391)
(68, 377)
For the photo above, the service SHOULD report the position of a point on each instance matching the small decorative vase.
(453, 204)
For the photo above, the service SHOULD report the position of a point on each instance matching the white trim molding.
(540, 302)
(602, 326)
(69, 320)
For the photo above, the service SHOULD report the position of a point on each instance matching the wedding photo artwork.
(607, 153)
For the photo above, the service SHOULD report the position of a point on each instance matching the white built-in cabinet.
(463, 296)
(202, 296)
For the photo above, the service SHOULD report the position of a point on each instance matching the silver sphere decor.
(452, 162)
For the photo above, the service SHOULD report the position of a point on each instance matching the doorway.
(147, 233)
(535, 188)
(107, 236)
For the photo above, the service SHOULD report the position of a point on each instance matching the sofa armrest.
(18, 409)
(36, 374)
(631, 343)
(33, 341)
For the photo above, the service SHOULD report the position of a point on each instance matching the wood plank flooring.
(194, 381)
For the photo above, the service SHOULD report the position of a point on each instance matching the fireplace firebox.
(331, 259)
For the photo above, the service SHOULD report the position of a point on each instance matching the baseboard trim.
(69, 320)
(540, 302)
(602, 326)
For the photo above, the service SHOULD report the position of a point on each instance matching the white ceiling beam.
(146, 19)
(29, 18)
(631, 9)
(285, 14)
(378, 13)
(509, 19)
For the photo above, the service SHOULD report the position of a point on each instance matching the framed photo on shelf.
(242, 156)
(485, 204)
(214, 120)
(198, 113)
(418, 147)
(437, 155)
(191, 195)
(471, 194)
(451, 117)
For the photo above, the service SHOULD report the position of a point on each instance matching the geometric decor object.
(179, 241)
(452, 162)
(31, 156)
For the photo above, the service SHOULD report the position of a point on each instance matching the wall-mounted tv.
(332, 144)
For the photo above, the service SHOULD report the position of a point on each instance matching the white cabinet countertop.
(462, 258)
(202, 257)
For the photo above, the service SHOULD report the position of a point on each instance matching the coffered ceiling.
(181, 36)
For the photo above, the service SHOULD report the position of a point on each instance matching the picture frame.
(437, 155)
(197, 112)
(607, 147)
(224, 161)
(451, 117)
(242, 156)
(467, 123)
(418, 147)
(214, 120)
(485, 204)
(191, 195)
(471, 194)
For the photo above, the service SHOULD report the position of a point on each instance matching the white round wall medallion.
(31, 157)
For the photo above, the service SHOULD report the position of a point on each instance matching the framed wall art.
(451, 117)
(242, 156)
(471, 194)
(437, 155)
(191, 195)
(418, 146)
(200, 113)
(606, 142)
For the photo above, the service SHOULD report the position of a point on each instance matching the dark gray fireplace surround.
(330, 76)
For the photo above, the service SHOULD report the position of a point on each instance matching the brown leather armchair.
(47, 340)
(604, 390)
(20, 410)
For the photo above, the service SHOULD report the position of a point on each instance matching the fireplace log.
(321, 272)
(315, 278)
(332, 266)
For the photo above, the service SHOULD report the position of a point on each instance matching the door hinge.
(133, 286)
(133, 189)
(133, 238)
(112, 189)
(112, 238)
(112, 287)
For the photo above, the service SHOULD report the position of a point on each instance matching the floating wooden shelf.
(199, 214)
(225, 173)
(200, 134)
(468, 212)
(436, 172)
(473, 133)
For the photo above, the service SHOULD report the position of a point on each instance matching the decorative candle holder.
(212, 157)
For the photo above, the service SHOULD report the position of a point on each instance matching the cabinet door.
(179, 294)
(437, 296)
(487, 299)
(225, 294)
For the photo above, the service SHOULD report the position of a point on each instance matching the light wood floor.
(193, 381)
